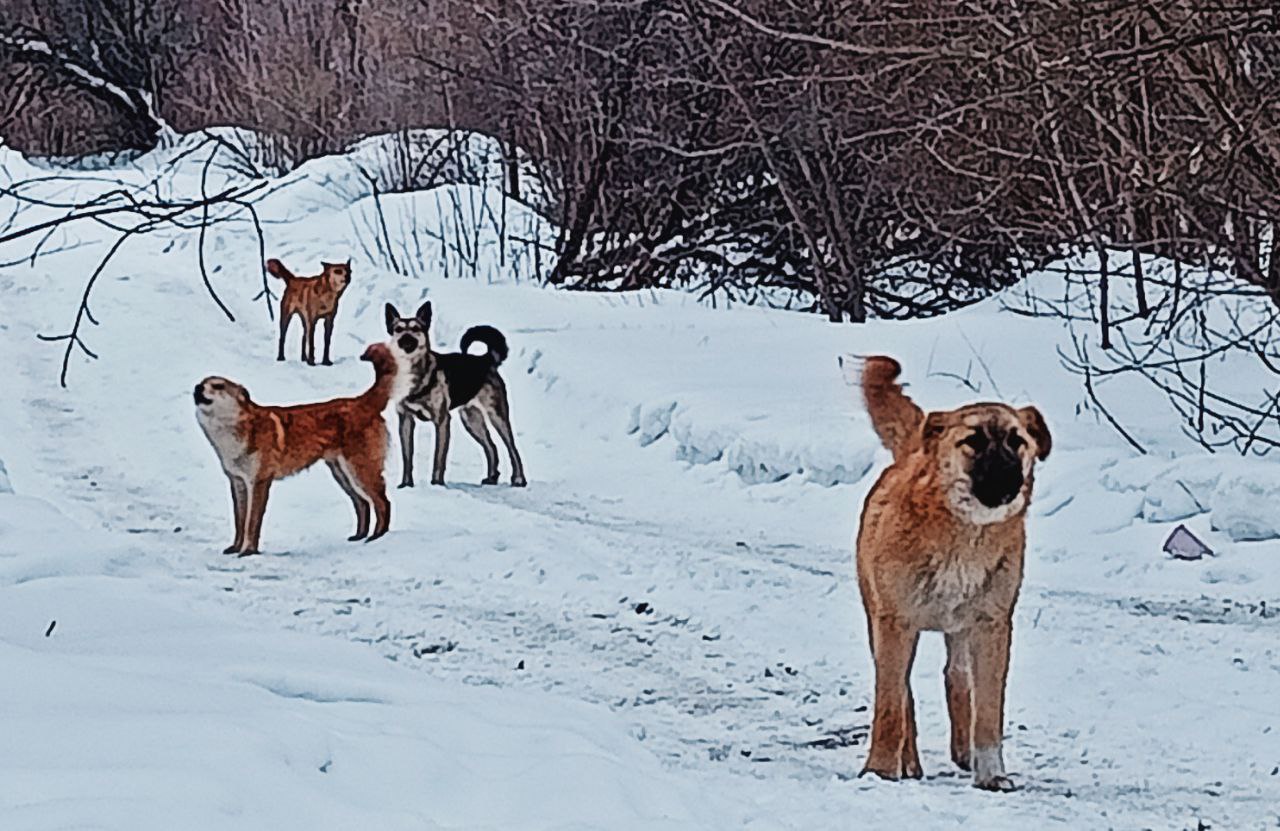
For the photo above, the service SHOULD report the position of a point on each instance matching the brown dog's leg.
(893, 646)
(473, 420)
(308, 340)
(501, 418)
(960, 698)
(253, 516)
(361, 506)
(406, 448)
(239, 502)
(286, 316)
(442, 448)
(328, 335)
(990, 651)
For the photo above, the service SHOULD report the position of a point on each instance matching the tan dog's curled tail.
(276, 269)
(896, 418)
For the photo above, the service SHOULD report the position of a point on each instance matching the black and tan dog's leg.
(473, 420)
(357, 500)
(406, 448)
(442, 448)
(239, 505)
(501, 418)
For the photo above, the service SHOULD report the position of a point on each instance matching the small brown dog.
(940, 548)
(257, 445)
(314, 299)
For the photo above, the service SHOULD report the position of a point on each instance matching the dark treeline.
(870, 159)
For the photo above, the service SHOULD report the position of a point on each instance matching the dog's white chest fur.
(231, 449)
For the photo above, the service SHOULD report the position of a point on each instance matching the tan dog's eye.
(977, 441)
(1014, 440)
(216, 385)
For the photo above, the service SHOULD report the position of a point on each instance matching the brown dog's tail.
(276, 269)
(895, 417)
(374, 400)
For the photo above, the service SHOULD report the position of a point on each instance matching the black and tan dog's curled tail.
(491, 338)
(895, 417)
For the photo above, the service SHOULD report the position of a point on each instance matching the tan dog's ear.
(934, 424)
(244, 395)
(1034, 424)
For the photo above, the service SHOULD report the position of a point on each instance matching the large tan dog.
(941, 548)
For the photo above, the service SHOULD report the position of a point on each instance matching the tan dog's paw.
(893, 769)
(997, 784)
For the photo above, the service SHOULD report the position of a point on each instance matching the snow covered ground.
(661, 631)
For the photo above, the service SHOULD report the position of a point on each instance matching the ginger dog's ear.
(1034, 424)
(392, 316)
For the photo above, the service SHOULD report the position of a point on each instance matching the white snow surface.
(661, 631)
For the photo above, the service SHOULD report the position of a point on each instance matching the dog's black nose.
(199, 395)
(997, 478)
(408, 343)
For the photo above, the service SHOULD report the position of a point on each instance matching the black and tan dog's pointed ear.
(392, 317)
(1034, 424)
(424, 315)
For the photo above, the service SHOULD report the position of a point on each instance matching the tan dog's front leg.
(253, 520)
(239, 504)
(990, 653)
(959, 678)
(893, 752)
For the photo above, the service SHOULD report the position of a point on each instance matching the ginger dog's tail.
(385, 367)
(276, 269)
(896, 418)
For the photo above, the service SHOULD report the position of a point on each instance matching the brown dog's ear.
(244, 395)
(1034, 424)
(934, 424)
(392, 316)
(424, 315)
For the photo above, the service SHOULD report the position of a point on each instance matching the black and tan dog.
(441, 382)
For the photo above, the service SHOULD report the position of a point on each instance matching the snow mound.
(1245, 503)
(178, 714)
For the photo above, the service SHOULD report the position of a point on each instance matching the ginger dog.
(940, 548)
(314, 299)
(257, 445)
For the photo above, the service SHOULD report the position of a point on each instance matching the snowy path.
(719, 620)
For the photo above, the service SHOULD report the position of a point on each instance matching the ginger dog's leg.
(990, 671)
(239, 505)
(366, 476)
(358, 501)
(959, 682)
(253, 519)
(893, 647)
